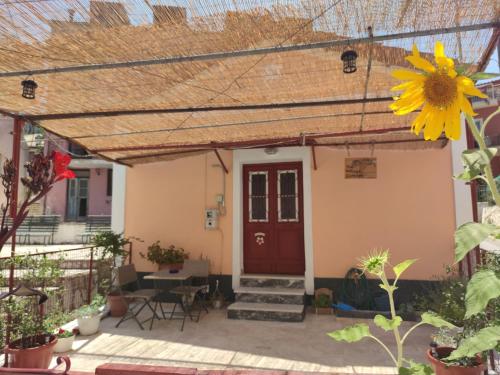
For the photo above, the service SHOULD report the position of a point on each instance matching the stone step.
(292, 296)
(273, 281)
(266, 311)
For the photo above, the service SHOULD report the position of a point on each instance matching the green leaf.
(482, 287)
(387, 324)
(483, 75)
(351, 334)
(485, 339)
(435, 320)
(478, 158)
(468, 236)
(416, 369)
(401, 267)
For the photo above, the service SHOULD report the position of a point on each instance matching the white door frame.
(259, 156)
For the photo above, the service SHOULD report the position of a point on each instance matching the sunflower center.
(440, 90)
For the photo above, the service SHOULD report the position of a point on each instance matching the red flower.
(61, 330)
(60, 163)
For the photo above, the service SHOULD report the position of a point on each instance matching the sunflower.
(375, 262)
(439, 89)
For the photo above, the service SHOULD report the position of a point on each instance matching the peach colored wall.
(408, 209)
(166, 202)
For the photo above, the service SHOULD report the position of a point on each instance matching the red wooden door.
(273, 219)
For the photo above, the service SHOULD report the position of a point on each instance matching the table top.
(166, 275)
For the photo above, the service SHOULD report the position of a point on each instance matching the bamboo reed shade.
(45, 34)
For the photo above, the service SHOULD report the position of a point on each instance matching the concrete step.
(292, 296)
(273, 281)
(277, 312)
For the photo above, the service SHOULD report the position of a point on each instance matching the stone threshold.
(268, 307)
(271, 290)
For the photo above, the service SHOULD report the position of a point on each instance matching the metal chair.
(196, 294)
(127, 276)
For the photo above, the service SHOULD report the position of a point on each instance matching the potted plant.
(32, 346)
(65, 340)
(113, 247)
(53, 323)
(31, 335)
(89, 316)
(170, 257)
(323, 299)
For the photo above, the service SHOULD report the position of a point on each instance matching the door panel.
(273, 219)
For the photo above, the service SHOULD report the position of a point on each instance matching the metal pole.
(251, 52)
(89, 286)
(16, 159)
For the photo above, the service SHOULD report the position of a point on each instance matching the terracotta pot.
(38, 357)
(118, 305)
(172, 267)
(441, 368)
(324, 310)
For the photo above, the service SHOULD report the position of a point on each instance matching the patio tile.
(217, 343)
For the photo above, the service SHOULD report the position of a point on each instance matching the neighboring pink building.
(88, 194)
(484, 108)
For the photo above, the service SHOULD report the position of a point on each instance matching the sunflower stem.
(397, 335)
(488, 173)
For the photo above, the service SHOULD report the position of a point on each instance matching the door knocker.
(259, 238)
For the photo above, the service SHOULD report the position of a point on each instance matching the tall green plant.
(376, 265)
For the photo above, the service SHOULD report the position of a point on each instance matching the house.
(241, 136)
(89, 194)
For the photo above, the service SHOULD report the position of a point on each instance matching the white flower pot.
(89, 325)
(64, 344)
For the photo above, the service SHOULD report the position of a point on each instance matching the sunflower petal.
(421, 63)
(419, 121)
(465, 105)
(452, 127)
(407, 75)
(467, 86)
(407, 85)
(415, 50)
(439, 50)
(434, 126)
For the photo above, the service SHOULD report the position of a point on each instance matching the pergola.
(138, 81)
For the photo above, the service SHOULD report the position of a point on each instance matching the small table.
(166, 275)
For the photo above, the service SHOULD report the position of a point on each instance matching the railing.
(70, 278)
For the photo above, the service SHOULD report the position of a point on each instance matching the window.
(288, 198)
(109, 184)
(258, 197)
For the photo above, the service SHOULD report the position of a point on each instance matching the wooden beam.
(313, 150)
(159, 154)
(257, 142)
(249, 107)
(221, 161)
(343, 144)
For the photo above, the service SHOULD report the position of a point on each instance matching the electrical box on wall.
(211, 215)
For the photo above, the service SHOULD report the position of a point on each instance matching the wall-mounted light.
(349, 59)
(271, 150)
(29, 87)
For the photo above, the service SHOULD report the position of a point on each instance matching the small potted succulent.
(171, 258)
(89, 316)
(323, 299)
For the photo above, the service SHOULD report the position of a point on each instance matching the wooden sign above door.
(361, 168)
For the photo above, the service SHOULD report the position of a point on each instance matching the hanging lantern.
(29, 87)
(349, 59)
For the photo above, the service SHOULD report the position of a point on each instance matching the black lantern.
(29, 87)
(349, 58)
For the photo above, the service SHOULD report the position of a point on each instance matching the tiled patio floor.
(218, 343)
